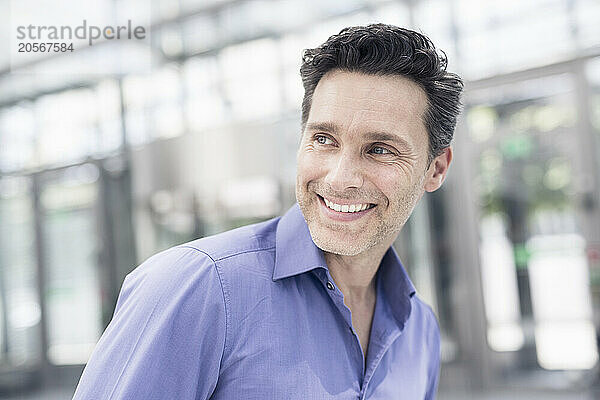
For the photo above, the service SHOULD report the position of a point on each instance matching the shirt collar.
(296, 253)
(397, 286)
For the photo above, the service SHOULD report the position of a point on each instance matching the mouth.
(347, 211)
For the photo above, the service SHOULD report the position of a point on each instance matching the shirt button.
(329, 285)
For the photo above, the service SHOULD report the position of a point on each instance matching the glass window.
(497, 37)
(108, 103)
(532, 249)
(291, 48)
(205, 104)
(247, 19)
(593, 76)
(395, 13)
(334, 8)
(587, 15)
(153, 105)
(200, 33)
(65, 138)
(170, 39)
(433, 18)
(320, 32)
(72, 293)
(20, 310)
(17, 138)
(193, 5)
(252, 79)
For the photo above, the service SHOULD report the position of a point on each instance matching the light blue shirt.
(253, 313)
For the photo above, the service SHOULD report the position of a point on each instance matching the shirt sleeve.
(435, 365)
(167, 336)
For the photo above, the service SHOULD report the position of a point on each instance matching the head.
(378, 116)
(380, 49)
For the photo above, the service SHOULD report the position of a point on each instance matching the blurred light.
(14, 186)
(251, 79)
(168, 120)
(434, 18)
(81, 174)
(200, 33)
(63, 140)
(559, 282)
(533, 32)
(558, 174)
(587, 15)
(566, 345)
(25, 314)
(70, 354)
(161, 201)
(505, 337)
(499, 281)
(58, 197)
(491, 161)
(251, 197)
(482, 122)
(180, 222)
(522, 120)
(17, 138)
(592, 71)
(517, 146)
(549, 117)
(395, 13)
(204, 100)
(171, 42)
(166, 9)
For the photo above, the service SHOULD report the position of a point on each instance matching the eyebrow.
(331, 127)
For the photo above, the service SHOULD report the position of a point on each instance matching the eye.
(380, 150)
(324, 140)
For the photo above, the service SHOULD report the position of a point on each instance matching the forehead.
(358, 101)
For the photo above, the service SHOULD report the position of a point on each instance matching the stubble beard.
(347, 243)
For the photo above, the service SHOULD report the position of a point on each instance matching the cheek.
(393, 184)
(309, 166)
(388, 179)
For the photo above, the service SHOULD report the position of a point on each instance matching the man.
(315, 304)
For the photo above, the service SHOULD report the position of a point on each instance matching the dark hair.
(380, 49)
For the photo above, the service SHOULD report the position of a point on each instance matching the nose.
(344, 172)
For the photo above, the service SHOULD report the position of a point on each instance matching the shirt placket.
(337, 297)
(384, 331)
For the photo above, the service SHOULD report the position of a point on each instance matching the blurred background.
(99, 170)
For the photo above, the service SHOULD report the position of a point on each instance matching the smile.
(344, 212)
(346, 208)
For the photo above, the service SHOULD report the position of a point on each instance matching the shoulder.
(170, 279)
(246, 239)
(157, 334)
(190, 259)
(250, 248)
(203, 265)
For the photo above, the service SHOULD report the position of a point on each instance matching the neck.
(355, 275)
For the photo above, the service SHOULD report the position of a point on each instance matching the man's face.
(362, 162)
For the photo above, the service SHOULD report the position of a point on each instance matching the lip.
(342, 216)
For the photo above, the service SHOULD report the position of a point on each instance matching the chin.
(333, 243)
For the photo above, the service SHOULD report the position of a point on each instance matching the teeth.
(347, 208)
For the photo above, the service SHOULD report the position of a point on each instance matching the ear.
(437, 170)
